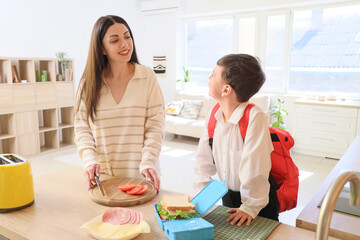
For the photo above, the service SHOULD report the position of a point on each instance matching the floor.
(176, 161)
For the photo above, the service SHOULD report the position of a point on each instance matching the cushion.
(191, 109)
(174, 108)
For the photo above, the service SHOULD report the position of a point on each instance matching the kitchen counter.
(342, 225)
(62, 205)
(337, 103)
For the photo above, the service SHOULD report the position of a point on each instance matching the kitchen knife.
(98, 183)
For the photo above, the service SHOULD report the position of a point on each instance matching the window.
(274, 53)
(247, 35)
(313, 50)
(325, 51)
(206, 42)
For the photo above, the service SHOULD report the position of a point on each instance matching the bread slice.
(181, 202)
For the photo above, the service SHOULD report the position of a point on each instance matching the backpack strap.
(244, 121)
(212, 123)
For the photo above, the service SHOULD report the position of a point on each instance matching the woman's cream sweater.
(125, 138)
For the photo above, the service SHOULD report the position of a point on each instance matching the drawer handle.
(326, 123)
(322, 138)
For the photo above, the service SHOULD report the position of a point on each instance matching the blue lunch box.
(195, 228)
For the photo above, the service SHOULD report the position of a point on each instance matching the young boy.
(245, 165)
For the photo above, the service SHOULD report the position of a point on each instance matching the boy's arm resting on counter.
(204, 166)
(154, 126)
(84, 138)
(255, 165)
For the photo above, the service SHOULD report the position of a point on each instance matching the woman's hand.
(89, 174)
(238, 216)
(151, 175)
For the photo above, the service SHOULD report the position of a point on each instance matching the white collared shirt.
(244, 165)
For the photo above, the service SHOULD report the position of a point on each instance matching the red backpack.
(283, 169)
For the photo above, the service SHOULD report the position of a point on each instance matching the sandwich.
(176, 207)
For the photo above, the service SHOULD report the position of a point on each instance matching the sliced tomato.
(126, 187)
(145, 187)
(135, 190)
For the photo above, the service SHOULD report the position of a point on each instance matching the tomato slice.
(145, 187)
(135, 190)
(126, 187)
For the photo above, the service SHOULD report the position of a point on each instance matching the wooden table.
(342, 225)
(62, 205)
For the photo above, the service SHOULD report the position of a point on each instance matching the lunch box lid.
(209, 195)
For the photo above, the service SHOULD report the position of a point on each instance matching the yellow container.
(16, 183)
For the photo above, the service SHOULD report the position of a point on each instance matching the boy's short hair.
(243, 73)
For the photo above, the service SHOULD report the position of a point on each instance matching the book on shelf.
(15, 74)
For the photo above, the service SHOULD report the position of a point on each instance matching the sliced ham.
(116, 216)
(121, 216)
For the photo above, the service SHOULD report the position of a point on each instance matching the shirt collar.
(235, 116)
(140, 71)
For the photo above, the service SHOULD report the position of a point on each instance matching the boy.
(245, 165)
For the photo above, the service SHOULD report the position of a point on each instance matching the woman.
(119, 117)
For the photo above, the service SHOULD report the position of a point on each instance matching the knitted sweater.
(125, 138)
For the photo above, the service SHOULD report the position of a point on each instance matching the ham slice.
(121, 216)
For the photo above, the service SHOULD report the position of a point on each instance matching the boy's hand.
(238, 216)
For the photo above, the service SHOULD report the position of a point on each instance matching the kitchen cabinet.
(35, 117)
(325, 128)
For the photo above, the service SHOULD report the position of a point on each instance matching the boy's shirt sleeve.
(255, 165)
(204, 166)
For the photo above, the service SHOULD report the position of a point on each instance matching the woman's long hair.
(91, 80)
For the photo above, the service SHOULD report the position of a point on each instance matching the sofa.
(180, 125)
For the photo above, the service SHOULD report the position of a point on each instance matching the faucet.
(330, 199)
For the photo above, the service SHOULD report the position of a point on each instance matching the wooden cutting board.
(114, 197)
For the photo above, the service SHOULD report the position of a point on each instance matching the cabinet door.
(65, 93)
(28, 144)
(6, 98)
(26, 123)
(45, 95)
(24, 97)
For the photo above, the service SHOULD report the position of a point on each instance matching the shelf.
(25, 69)
(47, 119)
(49, 140)
(7, 124)
(5, 71)
(8, 145)
(66, 116)
(35, 117)
(6, 136)
(46, 129)
(45, 65)
(66, 137)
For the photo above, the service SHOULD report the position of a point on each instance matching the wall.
(39, 28)
(214, 6)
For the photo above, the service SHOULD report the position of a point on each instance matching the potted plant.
(186, 78)
(278, 113)
(65, 64)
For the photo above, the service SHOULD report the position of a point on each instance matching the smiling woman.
(119, 108)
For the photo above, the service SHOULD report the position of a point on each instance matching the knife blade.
(98, 183)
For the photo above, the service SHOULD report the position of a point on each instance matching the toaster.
(16, 183)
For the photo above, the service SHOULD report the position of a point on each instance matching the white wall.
(39, 28)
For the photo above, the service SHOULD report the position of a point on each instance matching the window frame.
(261, 28)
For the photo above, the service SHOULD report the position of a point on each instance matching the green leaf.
(285, 112)
(275, 124)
